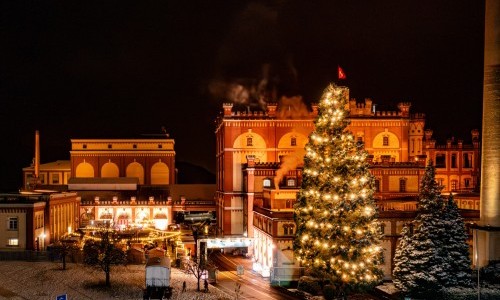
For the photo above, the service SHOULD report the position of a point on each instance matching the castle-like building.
(259, 172)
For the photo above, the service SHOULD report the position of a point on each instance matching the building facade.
(259, 171)
(32, 220)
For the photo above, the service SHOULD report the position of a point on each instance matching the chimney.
(37, 154)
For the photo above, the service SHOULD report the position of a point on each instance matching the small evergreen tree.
(338, 235)
(457, 247)
(403, 264)
(422, 261)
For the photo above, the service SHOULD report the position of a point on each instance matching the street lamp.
(41, 244)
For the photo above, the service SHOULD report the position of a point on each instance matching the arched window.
(110, 169)
(135, 169)
(84, 169)
(159, 173)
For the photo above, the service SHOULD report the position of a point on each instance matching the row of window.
(38, 221)
(441, 160)
(290, 182)
(440, 181)
(110, 146)
(293, 141)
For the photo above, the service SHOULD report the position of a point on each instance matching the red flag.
(341, 73)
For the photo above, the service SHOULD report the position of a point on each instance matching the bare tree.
(65, 248)
(103, 253)
(197, 267)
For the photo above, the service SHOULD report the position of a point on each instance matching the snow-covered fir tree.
(338, 235)
(456, 246)
(421, 261)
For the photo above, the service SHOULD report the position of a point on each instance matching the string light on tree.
(338, 235)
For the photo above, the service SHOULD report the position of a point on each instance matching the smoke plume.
(292, 108)
(288, 163)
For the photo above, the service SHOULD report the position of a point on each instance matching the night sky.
(115, 69)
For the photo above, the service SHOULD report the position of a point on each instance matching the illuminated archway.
(110, 169)
(386, 140)
(135, 169)
(293, 140)
(84, 169)
(159, 173)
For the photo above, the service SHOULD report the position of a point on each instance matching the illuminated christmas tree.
(338, 235)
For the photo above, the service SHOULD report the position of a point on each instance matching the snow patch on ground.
(46, 280)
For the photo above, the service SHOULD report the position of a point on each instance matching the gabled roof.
(58, 165)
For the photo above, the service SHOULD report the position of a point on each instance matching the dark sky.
(113, 69)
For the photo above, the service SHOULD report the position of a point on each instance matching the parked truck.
(158, 278)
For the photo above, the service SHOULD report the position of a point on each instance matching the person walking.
(184, 286)
(206, 286)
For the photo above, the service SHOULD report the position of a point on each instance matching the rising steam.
(288, 163)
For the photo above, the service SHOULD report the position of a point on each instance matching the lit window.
(293, 141)
(402, 185)
(267, 182)
(13, 242)
(12, 224)
(454, 184)
(290, 182)
(249, 141)
(385, 141)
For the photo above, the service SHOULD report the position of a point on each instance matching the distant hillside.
(190, 173)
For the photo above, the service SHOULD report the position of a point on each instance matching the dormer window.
(293, 141)
(266, 182)
(249, 141)
(385, 141)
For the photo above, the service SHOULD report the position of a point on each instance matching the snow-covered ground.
(46, 280)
